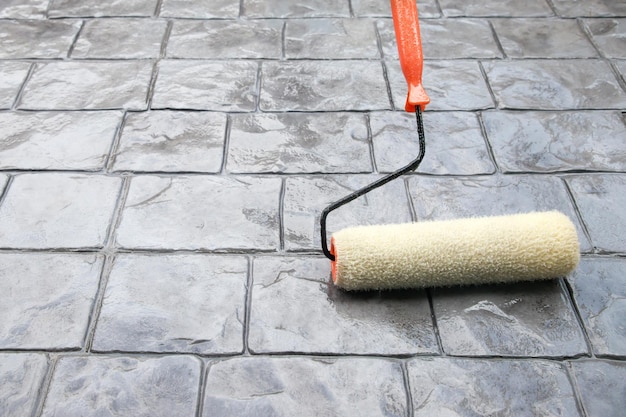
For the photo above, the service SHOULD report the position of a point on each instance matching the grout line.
(575, 388)
(227, 131)
(370, 143)
(578, 213)
(439, 9)
(494, 33)
(152, 85)
(248, 306)
(407, 388)
(96, 307)
(165, 39)
(45, 385)
(258, 84)
(388, 85)
(283, 36)
(20, 92)
(115, 143)
(412, 211)
(433, 317)
(5, 191)
(204, 369)
(552, 8)
(241, 9)
(351, 9)
(489, 88)
(281, 215)
(490, 152)
(569, 293)
(157, 9)
(79, 32)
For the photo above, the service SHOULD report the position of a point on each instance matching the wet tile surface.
(12, 76)
(161, 386)
(609, 35)
(60, 141)
(330, 320)
(36, 38)
(427, 8)
(171, 141)
(509, 8)
(602, 386)
(46, 299)
(278, 8)
(21, 374)
(200, 9)
(141, 310)
(96, 8)
(568, 8)
(23, 9)
(303, 386)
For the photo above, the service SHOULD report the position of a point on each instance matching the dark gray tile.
(120, 39)
(601, 200)
(609, 35)
(555, 84)
(299, 143)
(329, 320)
(97, 8)
(526, 319)
(12, 76)
(21, 377)
(60, 141)
(323, 86)
(602, 386)
(173, 303)
(543, 38)
(426, 8)
(46, 299)
(113, 386)
(280, 8)
(507, 388)
(557, 141)
(305, 198)
(23, 9)
(221, 39)
(171, 141)
(568, 8)
(305, 387)
(330, 39)
(88, 85)
(201, 212)
(454, 143)
(36, 38)
(509, 8)
(52, 210)
(200, 9)
(600, 293)
(206, 85)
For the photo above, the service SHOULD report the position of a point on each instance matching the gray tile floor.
(164, 164)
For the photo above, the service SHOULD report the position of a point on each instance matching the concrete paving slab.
(24, 9)
(585, 8)
(21, 375)
(602, 386)
(362, 8)
(609, 35)
(24, 39)
(508, 8)
(310, 9)
(200, 9)
(96, 8)
(12, 76)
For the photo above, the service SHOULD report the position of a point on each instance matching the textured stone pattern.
(164, 165)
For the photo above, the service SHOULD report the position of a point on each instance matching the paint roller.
(520, 247)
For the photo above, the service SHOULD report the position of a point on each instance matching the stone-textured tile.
(557, 141)
(299, 143)
(23, 9)
(449, 198)
(97, 8)
(609, 35)
(329, 320)
(88, 85)
(602, 386)
(601, 200)
(281, 8)
(555, 84)
(522, 319)
(323, 86)
(305, 387)
(171, 141)
(600, 293)
(454, 143)
(543, 38)
(21, 377)
(426, 8)
(305, 198)
(173, 303)
(120, 38)
(12, 75)
(60, 141)
(206, 85)
(200, 9)
(36, 38)
(141, 387)
(451, 85)
(330, 39)
(508, 8)
(474, 387)
(201, 213)
(222, 39)
(46, 299)
(577, 8)
(58, 211)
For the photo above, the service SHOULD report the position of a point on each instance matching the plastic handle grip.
(407, 30)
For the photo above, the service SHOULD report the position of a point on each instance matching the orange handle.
(409, 42)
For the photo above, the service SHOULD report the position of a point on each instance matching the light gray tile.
(523, 319)
(454, 143)
(206, 85)
(601, 200)
(36, 38)
(171, 141)
(426, 8)
(507, 388)
(51, 210)
(46, 299)
(143, 305)
(222, 39)
(60, 141)
(12, 76)
(602, 386)
(207, 212)
(280, 8)
(299, 143)
(23, 9)
(609, 35)
(568, 8)
(110, 386)
(323, 86)
(329, 320)
(21, 377)
(330, 39)
(555, 84)
(600, 293)
(509, 8)
(304, 387)
(200, 9)
(97, 8)
(88, 85)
